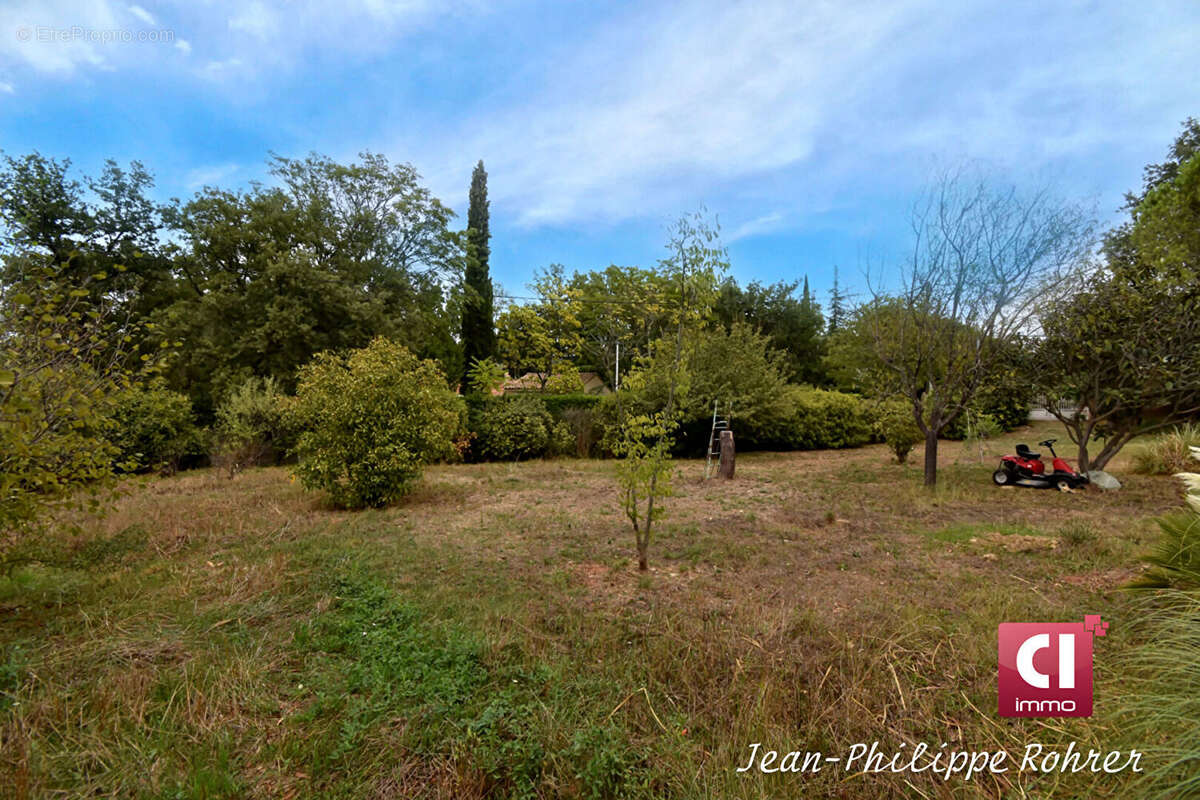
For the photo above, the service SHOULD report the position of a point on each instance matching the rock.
(1103, 480)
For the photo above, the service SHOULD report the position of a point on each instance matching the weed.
(108, 551)
(964, 532)
(1168, 453)
(602, 760)
(1078, 535)
(13, 670)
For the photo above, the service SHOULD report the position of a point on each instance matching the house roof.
(532, 382)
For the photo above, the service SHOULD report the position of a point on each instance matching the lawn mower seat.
(1024, 452)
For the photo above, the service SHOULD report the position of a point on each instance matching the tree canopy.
(1121, 357)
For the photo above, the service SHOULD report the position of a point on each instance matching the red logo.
(1046, 668)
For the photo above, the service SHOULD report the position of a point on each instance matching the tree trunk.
(1082, 463)
(931, 447)
(643, 564)
(1112, 446)
(725, 466)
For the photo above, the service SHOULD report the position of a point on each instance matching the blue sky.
(806, 127)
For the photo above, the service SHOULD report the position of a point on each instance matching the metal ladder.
(713, 461)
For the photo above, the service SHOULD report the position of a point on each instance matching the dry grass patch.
(250, 642)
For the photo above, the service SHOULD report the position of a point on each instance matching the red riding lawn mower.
(1026, 469)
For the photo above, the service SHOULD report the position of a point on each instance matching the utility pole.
(617, 371)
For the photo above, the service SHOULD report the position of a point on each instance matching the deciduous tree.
(337, 255)
(982, 255)
(695, 262)
(1122, 357)
(792, 324)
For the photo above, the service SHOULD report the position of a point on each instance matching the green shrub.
(894, 424)
(585, 433)
(55, 438)
(1078, 535)
(1161, 706)
(564, 380)
(563, 441)
(1175, 561)
(817, 419)
(736, 369)
(1003, 405)
(511, 428)
(602, 761)
(559, 404)
(578, 413)
(485, 376)
(153, 428)
(251, 426)
(369, 422)
(1167, 453)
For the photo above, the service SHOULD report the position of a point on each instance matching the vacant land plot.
(491, 637)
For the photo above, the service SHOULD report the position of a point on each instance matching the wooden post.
(725, 469)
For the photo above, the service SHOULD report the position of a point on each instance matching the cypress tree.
(837, 305)
(478, 332)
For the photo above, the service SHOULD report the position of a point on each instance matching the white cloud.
(696, 96)
(776, 103)
(264, 37)
(221, 70)
(773, 111)
(142, 14)
(40, 34)
(255, 19)
(209, 176)
(754, 227)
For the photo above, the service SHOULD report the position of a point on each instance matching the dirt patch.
(1016, 542)
(1103, 580)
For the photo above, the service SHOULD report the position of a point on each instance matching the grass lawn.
(491, 636)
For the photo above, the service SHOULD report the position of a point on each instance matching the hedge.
(556, 404)
(818, 419)
(515, 427)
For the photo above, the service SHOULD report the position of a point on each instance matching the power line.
(591, 301)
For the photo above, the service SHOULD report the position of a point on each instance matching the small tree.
(545, 335)
(63, 357)
(565, 380)
(251, 426)
(153, 428)
(696, 260)
(1122, 357)
(486, 376)
(981, 256)
(370, 421)
(894, 424)
(1119, 360)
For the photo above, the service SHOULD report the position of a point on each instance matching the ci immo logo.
(1046, 668)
